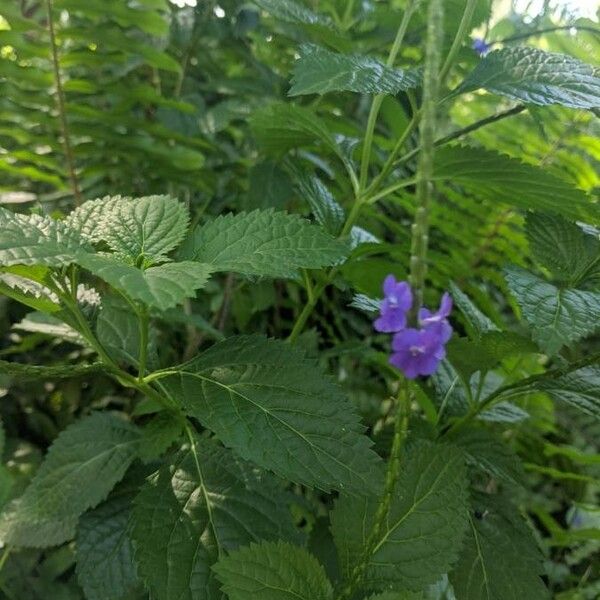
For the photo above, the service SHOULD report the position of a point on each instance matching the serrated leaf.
(499, 178)
(293, 12)
(563, 247)
(36, 240)
(89, 219)
(397, 596)
(280, 127)
(80, 469)
(148, 227)
(273, 571)
(536, 77)
(423, 532)
(580, 389)
(319, 71)
(556, 316)
(191, 511)
(324, 207)
(162, 287)
(266, 243)
(273, 406)
(105, 567)
(504, 412)
(158, 435)
(486, 452)
(500, 559)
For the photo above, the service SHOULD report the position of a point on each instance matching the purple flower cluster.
(481, 46)
(415, 351)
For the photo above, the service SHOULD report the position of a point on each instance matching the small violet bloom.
(395, 305)
(415, 351)
(481, 46)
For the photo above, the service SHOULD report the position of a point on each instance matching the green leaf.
(273, 571)
(145, 228)
(105, 567)
(267, 243)
(80, 469)
(488, 453)
(536, 77)
(201, 504)
(477, 322)
(498, 178)
(273, 406)
(397, 596)
(500, 559)
(148, 227)
(423, 532)
(580, 389)
(159, 434)
(291, 11)
(562, 247)
(161, 287)
(36, 240)
(319, 71)
(485, 353)
(280, 127)
(28, 292)
(556, 316)
(324, 207)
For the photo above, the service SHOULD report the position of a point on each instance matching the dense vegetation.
(207, 389)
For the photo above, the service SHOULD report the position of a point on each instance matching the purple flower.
(418, 351)
(415, 351)
(396, 303)
(481, 46)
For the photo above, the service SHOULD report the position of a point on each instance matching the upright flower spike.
(418, 351)
(395, 305)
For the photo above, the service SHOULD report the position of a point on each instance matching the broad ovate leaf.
(319, 71)
(268, 243)
(536, 77)
(81, 467)
(422, 535)
(273, 406)
(201, 504)
(557, 316)
(273, 571)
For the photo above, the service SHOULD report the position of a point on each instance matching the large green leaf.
(80, 469)
(268, 243)
(273, 571)
(536, 77)
(200, 505)
(36, 240)
(500, 559)
(319, 71)
(280, 127)
(496, 177)
(105, 567)
(423, 532)
(580, 389)
(557, 316)
(563, 247)
(162, 287)
(271, 404)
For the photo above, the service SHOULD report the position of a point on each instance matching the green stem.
(521, 386)
(420, 227)
(61, 105)
(5, 555)
(143, 322)
(391, 479)
(463, 29)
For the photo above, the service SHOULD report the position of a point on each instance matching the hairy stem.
(391, 479)
(144, 323)
(420, 227)
(61, 105)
